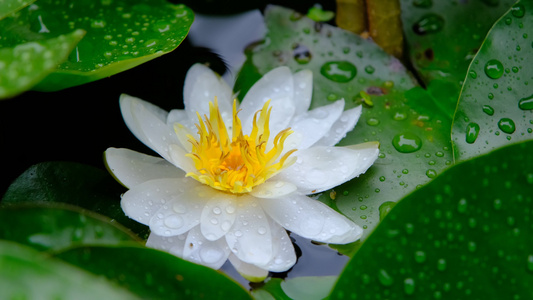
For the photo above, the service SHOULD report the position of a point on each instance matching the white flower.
(226, 189)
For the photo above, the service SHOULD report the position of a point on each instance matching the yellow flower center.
(238, 164)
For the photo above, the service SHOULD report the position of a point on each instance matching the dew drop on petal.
(173, 221)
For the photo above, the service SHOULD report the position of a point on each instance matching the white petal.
(273, 189)
(341, 127)
(303, 90)
(277, 86)
(313, 125)
(248, 271)
(142, 201)
(180, 211)
(131, 168)
(321, 168)
(284, 256)
(148, 124)
(250, 238)
(202, 85)
(170, 244)
(311, 219)
(205, 252)
(218, 216)
(180, 116)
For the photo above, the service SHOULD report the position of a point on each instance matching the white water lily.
(228, 189)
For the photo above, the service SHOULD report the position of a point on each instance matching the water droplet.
(338, 71)
(382, 178)
(409, 286)
(472, 131)
(173, 221)
(372, 122)
(472, 74)
(406, 142)
(494, 69)
(497, 204)
(488, 110)
(217, 210)
(405, 171)
(301, 54)
(384, 278)
(385, 208)
(439, 154)
(431, 173)
(526, 103)
(369, 69)
(429, 23)
(261, 230)
(98, 24)
(462, 205)
(230, 209)
(506, 125)
(472, 246)
(441, 264)
(518, 10)
(399, 116)
(420, 256)
(491, 96)
(238, 233)
(530, 262)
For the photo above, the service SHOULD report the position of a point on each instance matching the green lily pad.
(410, 124)
(153, 274)
(75, 184)
(24, 65)
(465, 235)
(444, 36)
(120, 35)
(496, 104)
(8, 7)
(56, 227)
(28, 274)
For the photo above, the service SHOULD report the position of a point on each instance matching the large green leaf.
(10, 6)
(152, 274)
(24, 65)
(56, 227)
(465, 235)
(496, 104)
(75, 184)
(121, 34)
(28, 274)
(444, 36)
(408, 122)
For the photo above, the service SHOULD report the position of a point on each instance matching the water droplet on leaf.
(406, 142)
(338, 71)
(472, 131)
(494, 69)
(506, 125)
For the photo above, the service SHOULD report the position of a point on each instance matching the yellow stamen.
(238, 164)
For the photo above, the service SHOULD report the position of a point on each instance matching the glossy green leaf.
(28, 274)
(465, 235)
(444, 36)
(56, 227)
(24, 65)
(121, 34)
(496, 104)
(8, 7)
(412, 129)
(152, 274)
(75, 184)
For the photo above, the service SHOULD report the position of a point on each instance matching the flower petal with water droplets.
(180, 211)
(320, 168)
(205, 252)
(341, 127)
(273, 189)
(132, 168)
(303, 90)
(250, 238)
(284, 256)
(311, 219)
(218, 216)
(202, 85)
(171, 244)
(313, 125)
(142, 201)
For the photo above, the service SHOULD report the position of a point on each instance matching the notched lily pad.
(496, 104)
(412, 129)
(24, 65)
(120, 35)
